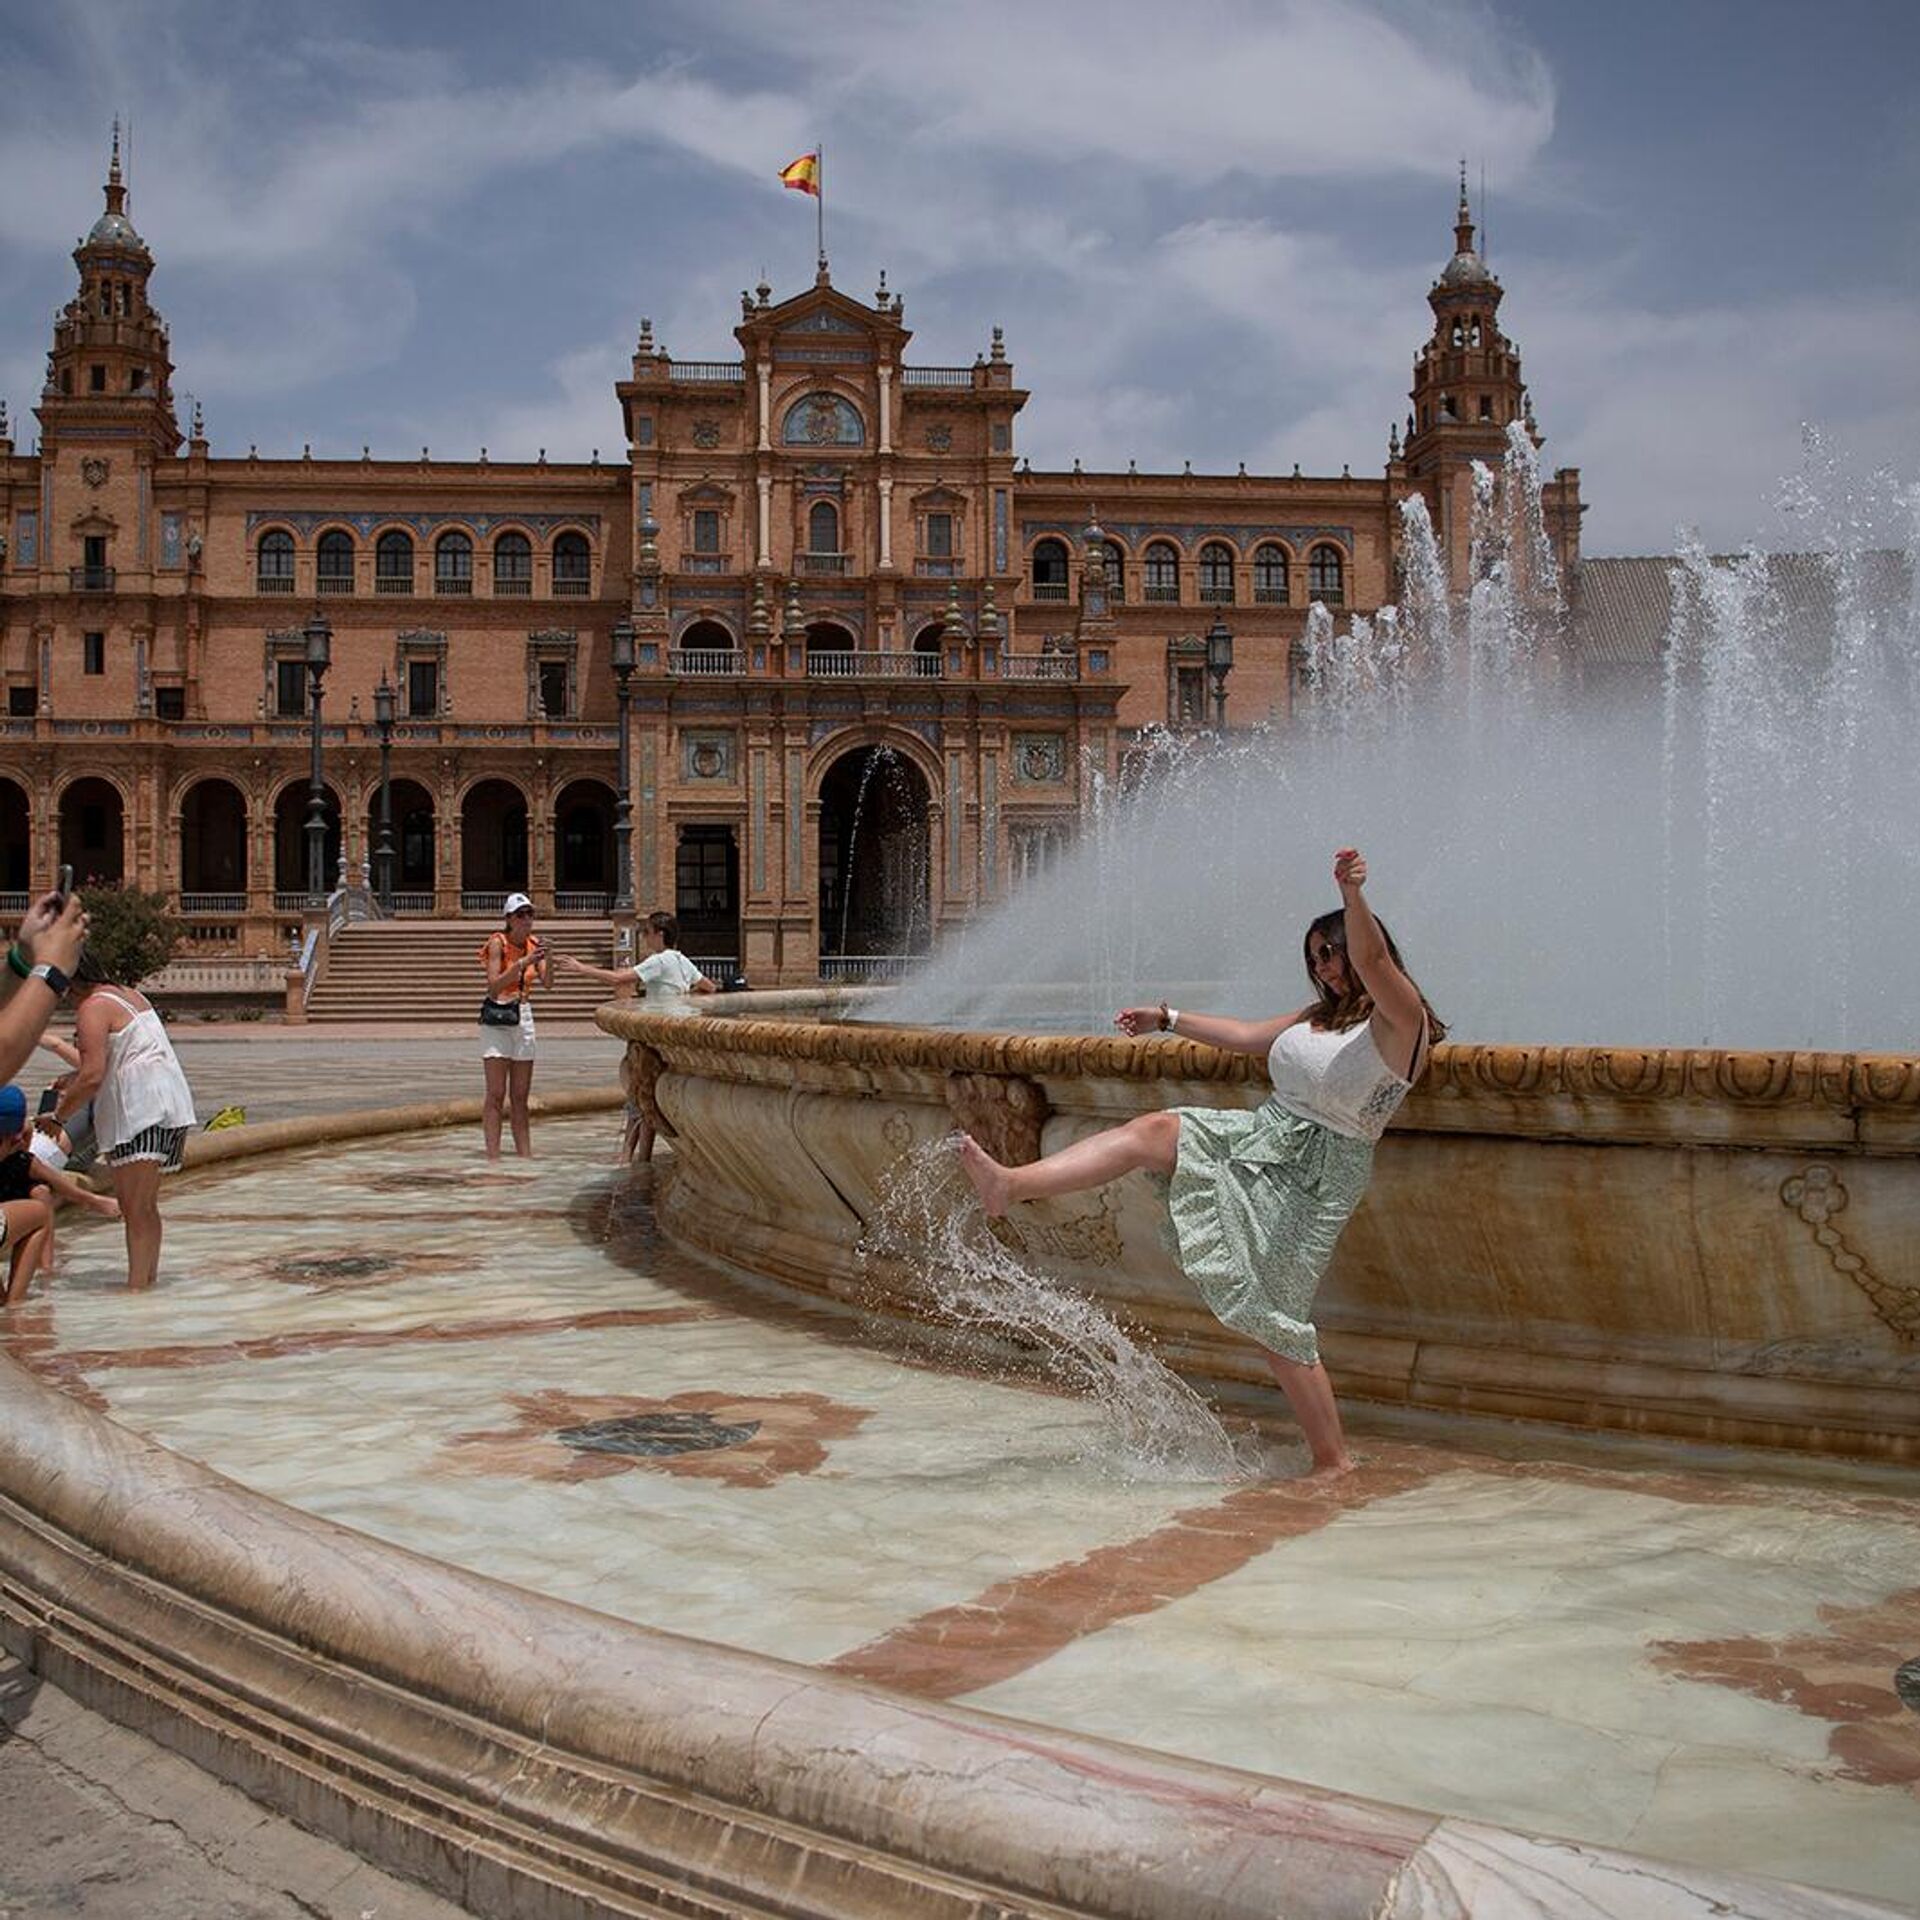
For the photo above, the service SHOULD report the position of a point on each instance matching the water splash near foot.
(1153, 1426)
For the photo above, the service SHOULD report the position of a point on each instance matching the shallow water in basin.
(1683, 1653)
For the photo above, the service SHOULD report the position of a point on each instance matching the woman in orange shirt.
(515, 961)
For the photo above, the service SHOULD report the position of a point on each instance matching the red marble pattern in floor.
(1018, 1623)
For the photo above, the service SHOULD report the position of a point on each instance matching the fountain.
(1646, 1224)
(1666, 1237)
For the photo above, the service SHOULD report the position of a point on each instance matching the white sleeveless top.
(144, 1084)
(1337, 1079)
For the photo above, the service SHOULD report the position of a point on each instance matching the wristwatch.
(54, 978)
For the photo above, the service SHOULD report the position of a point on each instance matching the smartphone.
(64, 885)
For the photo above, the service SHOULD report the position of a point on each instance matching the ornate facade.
(876, 657)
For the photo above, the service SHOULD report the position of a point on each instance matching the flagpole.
(820, 201)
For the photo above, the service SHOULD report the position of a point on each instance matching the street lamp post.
(319, 636)
(623, 803)
(383, 851)
(1219, 665)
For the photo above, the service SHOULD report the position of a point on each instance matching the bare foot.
(104, 1205)
(990, 1179)
(1324, 1470)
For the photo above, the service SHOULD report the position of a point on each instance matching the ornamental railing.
(937, 376)
(1040, 666)
(705, 660)
(867, 966)
(707, 372)
(1052, 590)
(871, 666)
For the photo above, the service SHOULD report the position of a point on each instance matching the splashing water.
(1153, 1426)
(1718, 853)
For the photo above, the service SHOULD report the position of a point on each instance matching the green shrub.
(130, 933)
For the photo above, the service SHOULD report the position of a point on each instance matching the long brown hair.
(1348, 1009)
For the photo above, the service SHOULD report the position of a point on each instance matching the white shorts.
(509, 1043)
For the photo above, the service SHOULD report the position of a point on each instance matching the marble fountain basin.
(1715, 1246)
(384, 1506)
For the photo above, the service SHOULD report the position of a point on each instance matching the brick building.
(875, 657)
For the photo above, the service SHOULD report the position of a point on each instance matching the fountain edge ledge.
(1711, 1245)
(529, 1757)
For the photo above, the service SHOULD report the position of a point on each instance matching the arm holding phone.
(33, 982)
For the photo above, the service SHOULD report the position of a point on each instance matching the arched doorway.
(213, 845)
(92, 833)
(414, 864)
(493, 845)
(876, 877)
(583, 876)
(16, 841)
(290, 841)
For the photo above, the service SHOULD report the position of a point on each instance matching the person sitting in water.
(1259, 1198)
(665, 976)
(25, 1222)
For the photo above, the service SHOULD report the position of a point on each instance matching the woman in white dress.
(142, 1105)
(1259, 1197)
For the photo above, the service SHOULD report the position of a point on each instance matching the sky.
(1208, 230)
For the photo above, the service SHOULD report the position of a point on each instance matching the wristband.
(18, 962)
(1169, 1017)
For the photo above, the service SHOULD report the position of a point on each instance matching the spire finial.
(116, 183)
(1463, 216)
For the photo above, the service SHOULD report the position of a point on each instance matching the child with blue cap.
(25, 1222)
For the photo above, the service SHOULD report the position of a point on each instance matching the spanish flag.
(803, 176)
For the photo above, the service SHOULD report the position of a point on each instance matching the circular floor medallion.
(658, 1433)
(1906, 1683)
(346, 1266)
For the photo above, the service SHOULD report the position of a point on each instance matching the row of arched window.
(510, 556)
(1215, 572)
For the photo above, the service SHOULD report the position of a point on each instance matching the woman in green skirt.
(1258, 1198)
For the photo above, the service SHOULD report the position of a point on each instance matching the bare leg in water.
(1152, 1143)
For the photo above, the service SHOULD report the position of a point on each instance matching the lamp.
(319, 638)
(1219, 665)
(623, 651)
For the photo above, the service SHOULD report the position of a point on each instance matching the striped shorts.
(164, 1144)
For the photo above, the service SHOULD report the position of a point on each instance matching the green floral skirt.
(1257, 1200)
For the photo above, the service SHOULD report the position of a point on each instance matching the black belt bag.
(499, 1013)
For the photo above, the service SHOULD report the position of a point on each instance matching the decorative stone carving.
(1039, 759)
(940, 438)
(1004, 1112)
(640, 1073)
(95, 470)
(706, 434)
(1816, 1196)
(709, 756)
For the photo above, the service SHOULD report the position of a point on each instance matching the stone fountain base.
(1716, 1246)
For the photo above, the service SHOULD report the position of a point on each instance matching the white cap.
(517, 903)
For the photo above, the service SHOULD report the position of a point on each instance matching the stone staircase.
(429, 970)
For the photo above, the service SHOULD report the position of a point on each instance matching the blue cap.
(13, 1110)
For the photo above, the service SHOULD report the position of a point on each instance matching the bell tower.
(108, 373)
(1466, 389)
